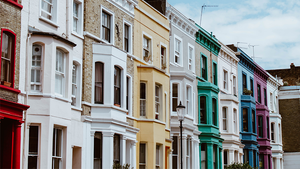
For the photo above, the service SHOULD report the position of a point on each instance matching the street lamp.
(180, 113)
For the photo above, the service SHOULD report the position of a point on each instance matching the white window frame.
(191, 58)
(158, 152)
(61, 147)
(178, 53)
(79, 28)
(273, 132)
(76, 84)
(129, 36)
(163, 58)
(53, 14)
(225, 79)
(189, 101)
(271, 102)
(224, 119)
(112, 23)
(144, 100)
(143, 164)
(178, 96)
(38, 144)
(129, 87)
(234, 85)
(35, 69)
(235, 129)
(176, 155)
(62, 74)
(149, 49)
(158, 102)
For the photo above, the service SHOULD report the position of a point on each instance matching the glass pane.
(58, 84)
(33, 140)
(38, 76)
(32, 75)
(32, 162)
(56, 163)
(142, 153)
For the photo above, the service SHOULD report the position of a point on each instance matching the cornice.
(125, 5)
(227, 54)
(182, 22)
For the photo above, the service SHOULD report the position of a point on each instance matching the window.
(265, 97)
(117, 86)
(260, 127)
(214, 112)
(251, 87)
(126, 37)
(60, 72)
(157, 102)
(203, 110)
(234, 85)
(174, 96)
(7, 58)
(49, 9)
(76, 23)
(253, 121)
(236, 156)
(98, 150)
(142, 99)
(245, 120)
(225, 78)
(214, 156)
(254, 158)
(225, 118)
(246, 156)
(117, 149)
(142, 159)
(175, 152)
(234, 121)
(163, 57)
(177, 51)
(268, 128)
(36, 68)
(261, 161)
(214, 74)
(146, 48)
(258, 93)
(244, 82)
(33, 150)
(188, 101)
(127, 92)
(272, 133)
(106, 26)
(188, 153)
(225, 154)
(158, 157)
(99, 69)
(203, 67)
(271, 101)
(190, 61)
(74, 84)
(203, 155)
(57, 148)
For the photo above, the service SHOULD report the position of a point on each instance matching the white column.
(170, 158)
(231, 157)
(91, 146)
(107, 149)
(196, 162)
(123, 150)
(133, 156)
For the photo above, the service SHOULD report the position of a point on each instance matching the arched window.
(7, 58)
(203, 110)
(36, 68)
(117, 86)
(99, 69)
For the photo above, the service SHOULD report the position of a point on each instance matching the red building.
(11, 112)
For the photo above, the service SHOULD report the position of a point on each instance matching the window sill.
(62, 99)
(77, 35)
(16, 4)
(201, 79)
(76, 108)
(48, 21)
(10, 89)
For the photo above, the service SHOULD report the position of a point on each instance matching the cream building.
(183, 88)
(151, 84)
(229, 106)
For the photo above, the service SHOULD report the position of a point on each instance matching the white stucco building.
(229, 106)
(183, 89)
(51, 49)
(275, 121)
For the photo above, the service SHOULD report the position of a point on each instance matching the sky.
(271, 26)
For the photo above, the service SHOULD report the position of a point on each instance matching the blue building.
(247, 107)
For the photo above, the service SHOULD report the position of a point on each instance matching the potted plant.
(116, 104)
(5, 83)
(247, 92)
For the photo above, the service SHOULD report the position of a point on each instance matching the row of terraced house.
(96, 84)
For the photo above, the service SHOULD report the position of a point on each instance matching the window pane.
(117, 148)
(245, 120)
(203, 109)
(203, 155)
(117, 86)
(142, 153)
(214, 113)
(99, 82)
(174, 96)
(6, 57)
(98, 150)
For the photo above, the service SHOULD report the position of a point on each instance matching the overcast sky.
(272, 25)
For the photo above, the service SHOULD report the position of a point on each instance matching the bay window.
(142, 99)
(60, 72)
(260, 127)
(245, 119)
(158, 100)
(214, 112)
(117, 86)
(7, 58)
(188, 101)
(224, 112)
(272, 133)
(99, 73)
(174, 96)
(203, 110)
(36, 68)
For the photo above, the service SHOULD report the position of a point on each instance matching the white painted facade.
(50, 99)
(275, 121)
(229, 120)
(182, 71)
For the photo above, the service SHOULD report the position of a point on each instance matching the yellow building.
(152, 82)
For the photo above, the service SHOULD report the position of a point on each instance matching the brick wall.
(290, 113)
(291, 76)
(10, 18)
